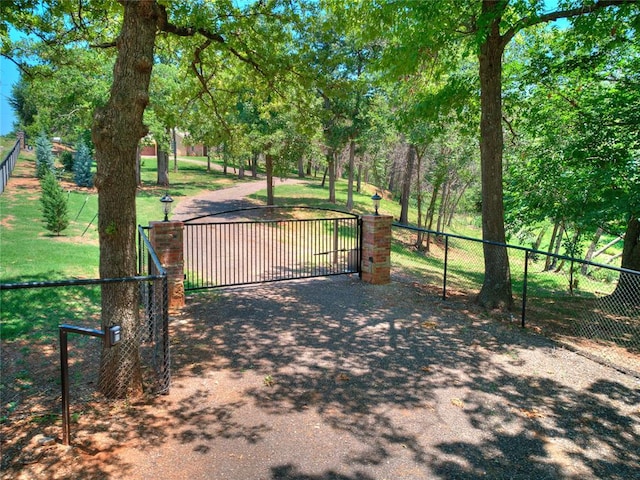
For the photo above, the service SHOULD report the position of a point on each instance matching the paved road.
(224, 199)
(334, 379)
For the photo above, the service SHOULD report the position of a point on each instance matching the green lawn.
(28, 252)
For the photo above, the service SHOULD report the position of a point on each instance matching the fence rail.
(594, 309)
(33, 312)
(8, 164)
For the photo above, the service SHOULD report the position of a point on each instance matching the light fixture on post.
(376, 201)
(166, 205)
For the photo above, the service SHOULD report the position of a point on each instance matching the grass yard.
(28, 252)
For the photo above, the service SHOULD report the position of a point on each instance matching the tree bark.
(406, 185)
(428, 220)
(254, 165)
(331, 168)
(352, 156)
(496, 290)
(269, 171)
(443, 205)
(174, 144)
(554, 233)
(117, 129)
(163, 167)
(590, 251)
(628, 289)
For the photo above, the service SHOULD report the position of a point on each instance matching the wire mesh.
(589, 307)
(30, 354)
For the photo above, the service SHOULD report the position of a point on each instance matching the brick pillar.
(166, 238)
(376, 249)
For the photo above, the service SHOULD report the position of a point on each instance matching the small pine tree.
(66, 159)
(54, 204)
(44, 156)
(82, 166)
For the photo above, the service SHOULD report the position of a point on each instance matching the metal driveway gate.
(266, 244)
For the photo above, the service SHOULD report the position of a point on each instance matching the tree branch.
(551, 16)
(165, 26)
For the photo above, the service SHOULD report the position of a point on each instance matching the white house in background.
(184, 148)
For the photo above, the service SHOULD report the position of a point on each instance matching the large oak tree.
(429, 35)
(118, 125)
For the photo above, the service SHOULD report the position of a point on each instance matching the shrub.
(82, 166)
(66, 158)
(54, 204)
(44, 156)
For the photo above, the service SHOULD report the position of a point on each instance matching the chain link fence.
(586, 306)
(34, 313)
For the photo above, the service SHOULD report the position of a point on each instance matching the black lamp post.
(376, 201)
(166, 205)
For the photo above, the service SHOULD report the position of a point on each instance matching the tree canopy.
(420, 94)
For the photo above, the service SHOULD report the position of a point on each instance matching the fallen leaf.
(456, 402)
(533, 413)
(429, 325)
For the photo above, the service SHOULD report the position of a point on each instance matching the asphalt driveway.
(335, 379)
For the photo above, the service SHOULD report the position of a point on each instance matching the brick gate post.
(376, 249)
(166, 238)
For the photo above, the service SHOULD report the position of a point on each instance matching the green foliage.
(54, 204)
(44, 156)
(575, 101)
(82, 166)
(66, 158)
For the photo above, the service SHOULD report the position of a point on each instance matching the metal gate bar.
(244, 252)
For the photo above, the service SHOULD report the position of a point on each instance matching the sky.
(8, 76)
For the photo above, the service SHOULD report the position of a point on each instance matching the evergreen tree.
(54, 204)
(44, 156)
(66, 159)
(82, 166)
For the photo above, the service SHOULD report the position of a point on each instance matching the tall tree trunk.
(392, 175)
(301, 167)
(406, 185)
(554, 233)
(331, 168)
(352, 156)
(590, 251)
(163, 167)
(456, 202)
(359, 176)
(208, 159)
(117, 129)
(428, 221)
(174, 142)
(269, 171)
(443, 205)
(496, 290)
(241, 168)
(556, 248)
(419, 197)
(254, 165)
(628, 289)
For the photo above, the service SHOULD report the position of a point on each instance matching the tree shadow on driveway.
(334, 378)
